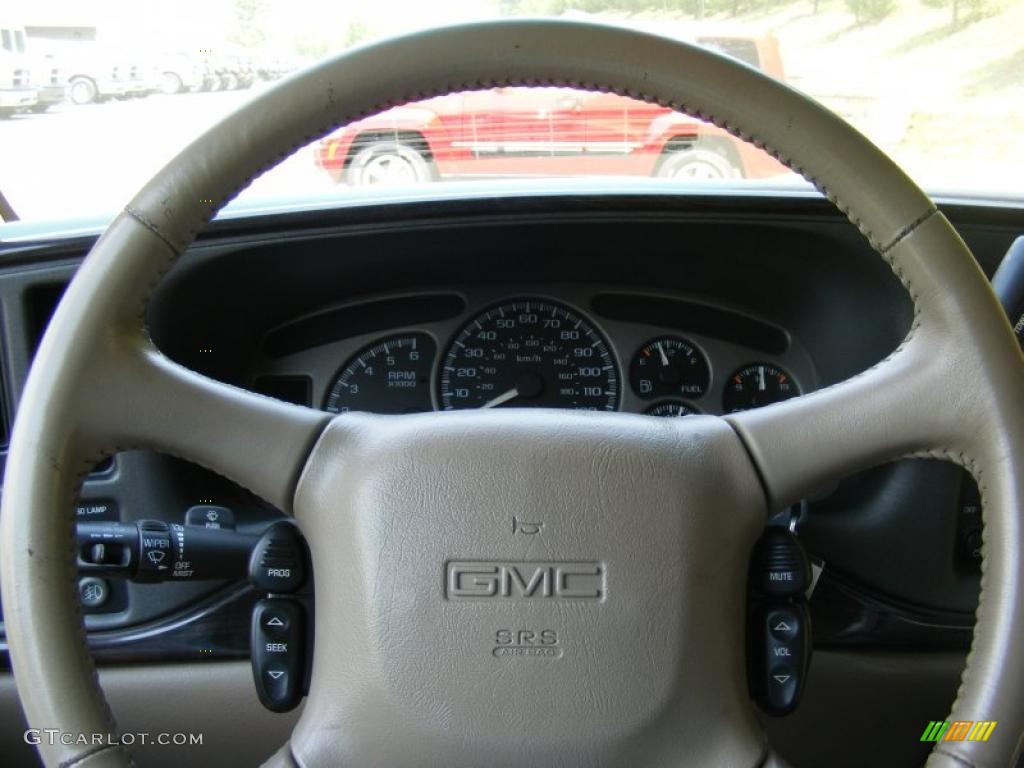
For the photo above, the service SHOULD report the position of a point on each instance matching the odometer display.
(529, 354)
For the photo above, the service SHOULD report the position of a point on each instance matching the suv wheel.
(695, 163)
(388, 162)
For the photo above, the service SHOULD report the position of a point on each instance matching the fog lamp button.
(93, 592)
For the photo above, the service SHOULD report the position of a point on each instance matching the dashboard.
(548, 346)
(657, 305)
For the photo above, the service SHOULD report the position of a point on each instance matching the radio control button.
(278, 653)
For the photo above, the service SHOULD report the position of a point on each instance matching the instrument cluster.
(545, 350)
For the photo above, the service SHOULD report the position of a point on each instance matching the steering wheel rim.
(99, 386)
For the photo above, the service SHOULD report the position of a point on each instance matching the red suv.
(505, 132)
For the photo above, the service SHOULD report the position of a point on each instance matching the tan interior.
(307, 465)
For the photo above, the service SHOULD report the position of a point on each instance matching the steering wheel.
(667, 510)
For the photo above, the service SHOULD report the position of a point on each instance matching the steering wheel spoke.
(152, 402)
(925, 399)
(894, 409)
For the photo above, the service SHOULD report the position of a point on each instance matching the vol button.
(783, 625)
(782, 676)
(782, 682)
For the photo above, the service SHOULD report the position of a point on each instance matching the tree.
(870, 11)
(246, 29)
(533, 7)
(959, 9)
(357, 31)
(312, 46)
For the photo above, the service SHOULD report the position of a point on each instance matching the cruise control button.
(972, 545)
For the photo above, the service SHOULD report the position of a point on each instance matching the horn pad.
(513, 586)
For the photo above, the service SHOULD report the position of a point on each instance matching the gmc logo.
(568, 581)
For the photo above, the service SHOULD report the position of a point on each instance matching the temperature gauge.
(756, 385)
(667, 367)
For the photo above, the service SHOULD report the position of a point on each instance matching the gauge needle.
(760, 378)
(664, 357)
(502, 398)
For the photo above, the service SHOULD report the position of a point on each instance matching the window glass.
(99, 94)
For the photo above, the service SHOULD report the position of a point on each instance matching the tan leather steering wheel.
(651, 673)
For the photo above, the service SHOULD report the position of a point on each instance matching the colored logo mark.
(958, 730)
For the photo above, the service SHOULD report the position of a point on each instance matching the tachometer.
(389, 376)
(529, 353)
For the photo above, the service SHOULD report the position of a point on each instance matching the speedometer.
(529, 353)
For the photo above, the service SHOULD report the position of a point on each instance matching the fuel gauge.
(669, 367)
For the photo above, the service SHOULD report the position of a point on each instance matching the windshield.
(96, 96)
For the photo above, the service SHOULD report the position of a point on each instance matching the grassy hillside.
(947, 102)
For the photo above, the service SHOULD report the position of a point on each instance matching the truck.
(180, 72)
(49, 81)
(91, 73)
(17, 93)
(547, 131)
